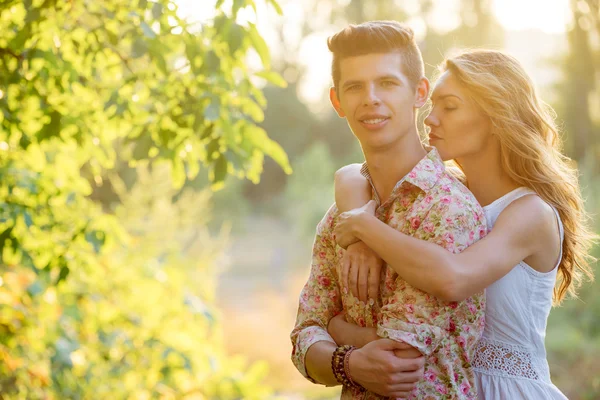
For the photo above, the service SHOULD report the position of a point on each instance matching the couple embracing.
(434, 272)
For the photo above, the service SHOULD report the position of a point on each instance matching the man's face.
(376, 98)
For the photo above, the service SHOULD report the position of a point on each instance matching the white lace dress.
(510, 359)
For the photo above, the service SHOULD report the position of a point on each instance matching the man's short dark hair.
(377, 37)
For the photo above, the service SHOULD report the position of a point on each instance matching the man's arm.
(374, 366)
(319, 302)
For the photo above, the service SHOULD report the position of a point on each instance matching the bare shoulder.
(532, 210)
(531, 219)
(349, 170)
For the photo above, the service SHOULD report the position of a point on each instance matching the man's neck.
(389, 165)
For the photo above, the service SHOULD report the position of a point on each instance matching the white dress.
(510, 359)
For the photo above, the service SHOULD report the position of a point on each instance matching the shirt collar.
(424, 175)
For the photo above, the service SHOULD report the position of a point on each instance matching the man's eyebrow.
(350, 83)
(380, 78)
(384, 77)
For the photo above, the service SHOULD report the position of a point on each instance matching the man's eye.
(353, 87)
(388, 83)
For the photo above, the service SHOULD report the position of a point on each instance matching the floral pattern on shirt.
(429, 204)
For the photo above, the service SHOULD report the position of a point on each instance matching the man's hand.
(361, 271)
(377, 368)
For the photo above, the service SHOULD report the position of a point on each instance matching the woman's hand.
(361, 272)
(347, 223)
(344, 332)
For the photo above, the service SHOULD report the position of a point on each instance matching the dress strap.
(561, 230)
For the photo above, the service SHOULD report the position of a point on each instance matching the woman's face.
(458, 128)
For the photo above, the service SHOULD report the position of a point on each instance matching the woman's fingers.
(345, 272)
(363, 281)
(353, 278)
(374, 279)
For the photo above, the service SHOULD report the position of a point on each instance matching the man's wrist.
(354, 360)
(340, 366)
(370, 334)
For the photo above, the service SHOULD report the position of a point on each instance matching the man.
(379, 85)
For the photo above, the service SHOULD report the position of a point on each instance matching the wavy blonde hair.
(530, 150)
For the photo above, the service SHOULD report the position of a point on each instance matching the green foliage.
(140, 325)
(578, 92)
(573, 339)
(107, 303)
(309, 191)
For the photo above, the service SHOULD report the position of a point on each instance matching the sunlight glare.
(550, 16)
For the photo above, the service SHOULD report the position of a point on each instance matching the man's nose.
(371, 96)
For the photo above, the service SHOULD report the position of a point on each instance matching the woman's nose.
(431, 120)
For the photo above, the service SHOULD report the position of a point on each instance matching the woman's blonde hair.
(530, 150)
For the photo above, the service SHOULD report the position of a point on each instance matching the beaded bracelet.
(347, 366)
(340, 365)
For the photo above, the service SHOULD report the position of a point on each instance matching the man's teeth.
(374, 121)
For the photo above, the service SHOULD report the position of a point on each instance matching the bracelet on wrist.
(340, 365)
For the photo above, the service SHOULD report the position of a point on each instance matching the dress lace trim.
(503, 359)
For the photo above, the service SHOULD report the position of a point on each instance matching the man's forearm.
(318, 363)
(344, 332)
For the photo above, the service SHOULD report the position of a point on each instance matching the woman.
(487, 117)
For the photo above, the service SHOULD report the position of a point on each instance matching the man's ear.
(335, 102)
(422, 93)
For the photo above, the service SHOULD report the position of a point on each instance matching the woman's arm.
(344, 332)
(524, 228)
(352, 190)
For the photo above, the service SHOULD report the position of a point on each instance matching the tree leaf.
(148, 32)
(259, 45)
(139, 48)
(235, 38)
(276, 6)
(142, 147)
(64, 272)
(212, 112)
(35, 288)
(178, 172)
(219, 171)
(157, 10)
(273, 77)
(27, 219)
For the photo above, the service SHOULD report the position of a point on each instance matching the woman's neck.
(486, 178)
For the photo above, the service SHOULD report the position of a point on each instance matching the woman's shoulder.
(528, 204)
(529, 217)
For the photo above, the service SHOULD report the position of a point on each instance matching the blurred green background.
(153, 237)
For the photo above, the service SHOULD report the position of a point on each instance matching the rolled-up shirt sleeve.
(320, 298)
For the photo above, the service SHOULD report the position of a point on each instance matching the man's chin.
(378, 143)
